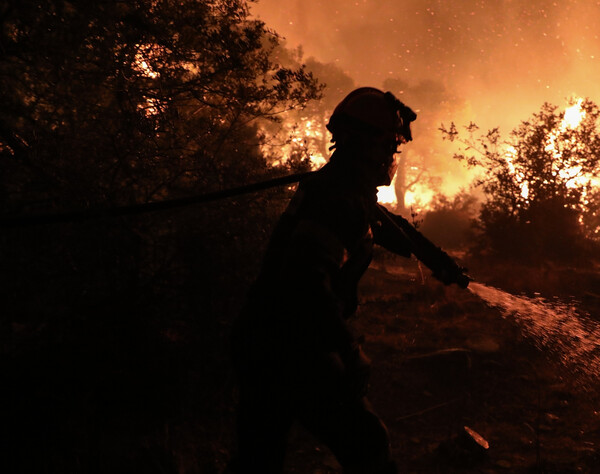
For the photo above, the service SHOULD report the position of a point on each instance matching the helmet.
(372, 111)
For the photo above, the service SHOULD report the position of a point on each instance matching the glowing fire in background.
(572, 118)
(309, 138)
(306, 136)
(452, 55)
(143, 56)
(302, 137)
(387, 194)
(573, 115)
(418, 197)
(573, 176)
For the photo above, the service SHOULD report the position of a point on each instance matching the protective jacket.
(294, 354)
(318, 252)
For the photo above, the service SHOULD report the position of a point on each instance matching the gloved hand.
(453, 274)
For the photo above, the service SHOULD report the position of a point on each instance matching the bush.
(450, 222)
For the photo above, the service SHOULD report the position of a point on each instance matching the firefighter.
(296, 357)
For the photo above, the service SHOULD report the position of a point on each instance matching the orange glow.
(150, 107)
(295, 136)
(573, 115)
(452, 60)
(419, 197)
(558, 140)
(142, 59)
(387, 194)
(142, 64)
(519, 177)
(573, 175)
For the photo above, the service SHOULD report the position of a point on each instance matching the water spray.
(553, 326)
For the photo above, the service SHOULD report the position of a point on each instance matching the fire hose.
(141, 208)
(443, 266)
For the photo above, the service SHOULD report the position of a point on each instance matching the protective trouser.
(347, 425)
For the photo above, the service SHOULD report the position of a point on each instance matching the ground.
(442, 360)
(119, 395)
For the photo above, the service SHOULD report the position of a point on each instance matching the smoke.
(493, 62)
(503, 57)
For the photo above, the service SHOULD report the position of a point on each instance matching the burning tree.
(541, 185)
(422, 162)
(299, 137)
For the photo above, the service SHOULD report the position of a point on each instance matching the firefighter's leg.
(330, 408)
(263, 426)
(355, 435)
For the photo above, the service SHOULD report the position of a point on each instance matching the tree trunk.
(400, 186)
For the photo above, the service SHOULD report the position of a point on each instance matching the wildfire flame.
(572, 118)
(143, 56)
(295, 137)
(573, 115)
(572, 176)
(387, 194)
(419, 197)
(142, 64)
(307, 137)
(518, 176)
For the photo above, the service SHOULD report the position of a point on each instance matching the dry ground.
(115, 397)
(442, 360)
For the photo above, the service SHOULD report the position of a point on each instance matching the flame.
(150, 107)
(573, 115)
(519, 177)
(141, 62)
(419, 197)
(299, 136)
(572, 118)
(572, 176)
(387, 194)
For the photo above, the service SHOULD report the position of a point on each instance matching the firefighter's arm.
(403, 235)
(388, 237)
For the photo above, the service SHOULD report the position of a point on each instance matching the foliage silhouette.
(114, 326)
(540, 185)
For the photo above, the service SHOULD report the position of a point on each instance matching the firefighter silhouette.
(294, 353)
